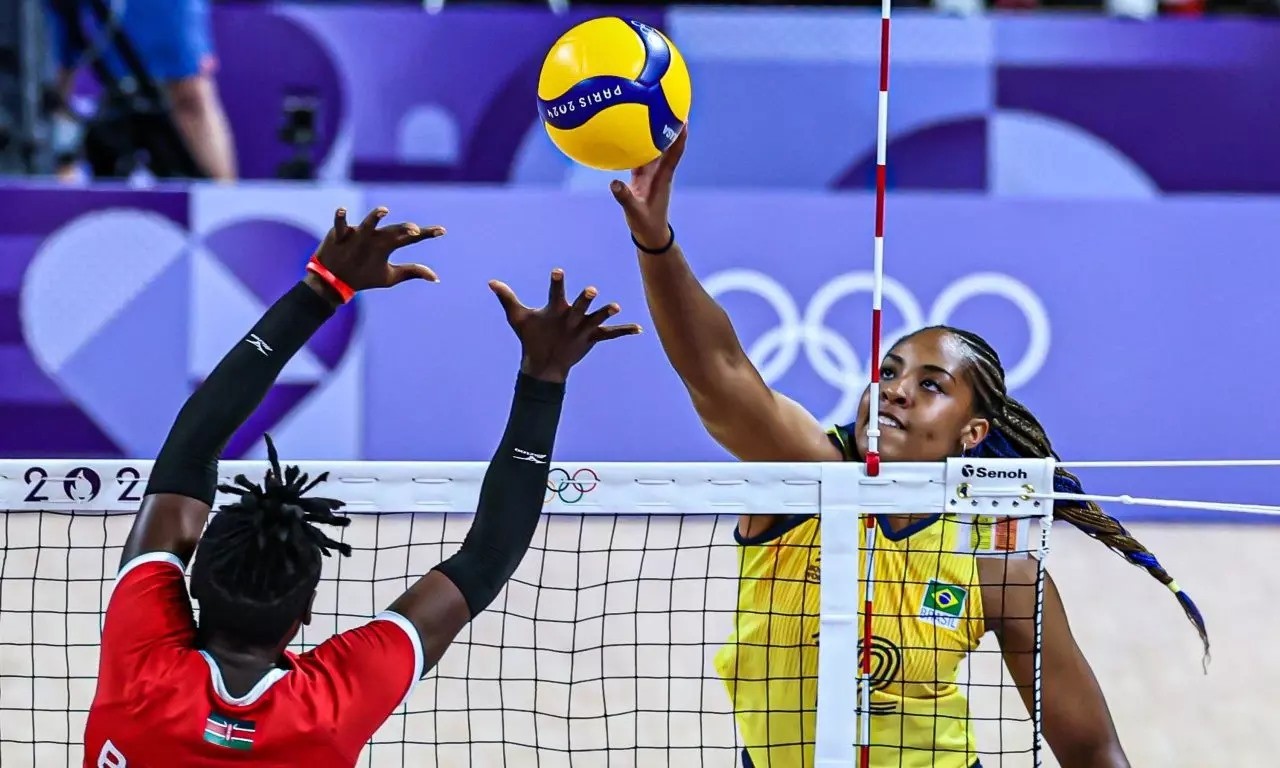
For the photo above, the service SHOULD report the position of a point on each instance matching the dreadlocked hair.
(258, 562)
(1016, 433)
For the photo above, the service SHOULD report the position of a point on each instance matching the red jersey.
(162, 702)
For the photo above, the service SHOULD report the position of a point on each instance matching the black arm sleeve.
(510, 496)
(188, 460)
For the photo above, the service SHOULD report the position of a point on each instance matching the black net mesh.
(941, 692)
(601, 652)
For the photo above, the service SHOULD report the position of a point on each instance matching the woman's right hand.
(646, 200)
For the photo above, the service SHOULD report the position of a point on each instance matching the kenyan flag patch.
(225, 732)
(943, 604)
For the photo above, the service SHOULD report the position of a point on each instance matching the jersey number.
(110, 757)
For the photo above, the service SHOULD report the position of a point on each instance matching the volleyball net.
(602, 649)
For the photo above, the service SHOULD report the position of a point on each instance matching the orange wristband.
(321, 271)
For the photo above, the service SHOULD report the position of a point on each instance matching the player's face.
(926, 402)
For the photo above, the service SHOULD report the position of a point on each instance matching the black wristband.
(657, 251)
(537, 389)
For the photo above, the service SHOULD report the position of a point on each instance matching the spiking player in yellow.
(928, 617)
(942, 394)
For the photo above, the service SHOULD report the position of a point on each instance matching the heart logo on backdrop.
(127, 311)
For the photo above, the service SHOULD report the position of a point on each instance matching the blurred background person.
(154, 60)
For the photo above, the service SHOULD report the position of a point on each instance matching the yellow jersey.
(926, 618)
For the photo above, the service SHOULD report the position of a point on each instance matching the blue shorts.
(171, 37)
(746, 761)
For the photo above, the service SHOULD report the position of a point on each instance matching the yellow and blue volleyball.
(613, 93)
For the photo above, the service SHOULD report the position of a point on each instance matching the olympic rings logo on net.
(835, 359)
(570, 488)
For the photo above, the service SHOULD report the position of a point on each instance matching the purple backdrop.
(1043, 105)
(1137, 330)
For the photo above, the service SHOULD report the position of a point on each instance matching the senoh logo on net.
(987, 473)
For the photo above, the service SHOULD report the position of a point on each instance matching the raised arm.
(751, 421)
(183, 482)
(1077, 723)
(553, 340)
(743, 414)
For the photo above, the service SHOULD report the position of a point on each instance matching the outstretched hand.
(554, 338)
(647, 199)
(359, 256)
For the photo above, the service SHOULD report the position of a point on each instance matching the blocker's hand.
(554, 338)
(359, 255)
(646, 200)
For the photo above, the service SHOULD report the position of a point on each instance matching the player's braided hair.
(1015, 433)
(258, 562)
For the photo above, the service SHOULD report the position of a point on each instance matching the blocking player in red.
(226, 691)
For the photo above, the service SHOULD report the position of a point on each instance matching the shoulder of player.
(387, 625)
(841, 442)
(1008, 586)
(152, 563)
(156, 682)
(789, 529)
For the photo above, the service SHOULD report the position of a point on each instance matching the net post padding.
(838, 622)
(619, 495)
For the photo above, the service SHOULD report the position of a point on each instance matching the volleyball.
(613, 93)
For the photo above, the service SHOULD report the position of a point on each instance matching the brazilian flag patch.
(943, 604)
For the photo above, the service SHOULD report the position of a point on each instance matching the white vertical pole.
(1037, 709)
(838, 624)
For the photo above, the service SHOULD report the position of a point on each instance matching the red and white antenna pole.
(877, 290)
(873, 420)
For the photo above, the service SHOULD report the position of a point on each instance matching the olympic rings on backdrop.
(570, 488)
(835, 359)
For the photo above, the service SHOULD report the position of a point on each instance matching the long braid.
(1016, 432)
